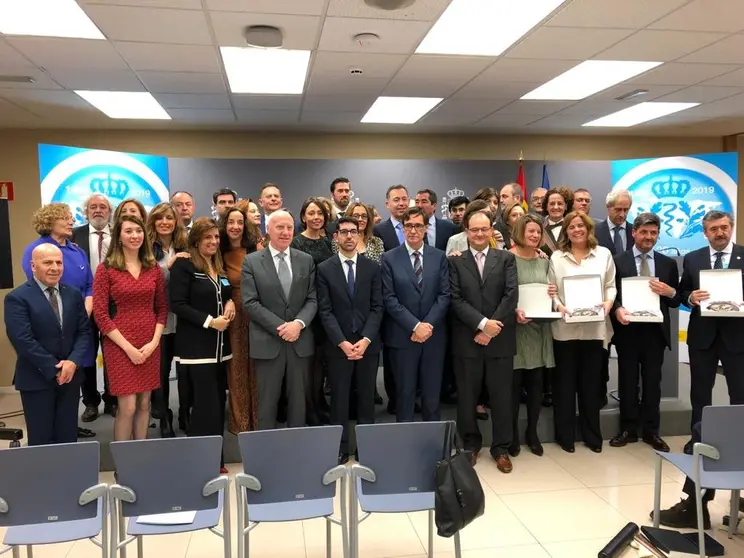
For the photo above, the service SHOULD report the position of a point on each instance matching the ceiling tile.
(11, 60)
(661, 46)
(481, 88)
(701, 94)
(682, 74)
(211, 101)
(170, 58)
(520, 70)
(341, 103)
(628, 14)
(559, 122)
(396, 37)
(722, 16)
(506, 120)
(460, 112)
(41, 81)
(267, 102)
(322, 118)
(52, 53)
(331, 73)
(288, 7)
(595, 108)
(732, 79)
(216, 116)
(180, 4)
(727, 51)
(566, 43)
(654, 91)
(123, 23)
(46, 102)
(724, 107)
(538, 108)
(435, 76)
(182, 82)
(422, 10)
(97, 80)
(299, 32)
(268, 116)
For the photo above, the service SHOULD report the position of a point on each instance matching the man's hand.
(482, 339)
(454, 254)
(348, 350)
(521, 318)
(422, 332)
(699, 296)
(622, 316)
(148, 349)
(360, 347)
(661, 289)
(290, 331)
(493, 328)
(66, 371)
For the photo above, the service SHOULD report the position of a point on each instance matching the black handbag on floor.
(459, 497)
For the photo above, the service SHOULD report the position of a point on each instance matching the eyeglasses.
(348, 232)
(482, 230)
(414, 227)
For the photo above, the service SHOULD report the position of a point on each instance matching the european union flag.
(545, 180)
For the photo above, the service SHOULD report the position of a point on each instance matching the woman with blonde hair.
(509, 216)
(368, 244)
(131, 310)
(130, 206)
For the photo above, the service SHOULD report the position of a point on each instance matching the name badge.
(225, 282)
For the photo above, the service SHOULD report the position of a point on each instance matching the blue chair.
(290, 475)
(395, 473)
(717, 462)
(51, 494)
(167, 475)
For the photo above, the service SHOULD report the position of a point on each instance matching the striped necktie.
(418, 270)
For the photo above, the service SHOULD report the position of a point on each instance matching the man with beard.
(341, 194)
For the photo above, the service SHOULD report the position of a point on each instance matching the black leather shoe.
(688, 448)
(568, 448)
(682, 515)
(166, 426)
(595, 449)
(536, 448)
(656, 442)
(85, 433)
(515, 450)
(89, 414)
(110, 409)
(725, 521)
(378, 398)
(547, 400)
(391, 408)
(623, 439)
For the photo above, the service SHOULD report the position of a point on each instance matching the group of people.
(275, 312)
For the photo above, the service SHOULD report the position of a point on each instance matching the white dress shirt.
(482, 323)
(725, 259)
(556, 231)
(93, 244)
(431, 231)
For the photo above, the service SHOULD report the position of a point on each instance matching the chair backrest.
(42, 484)
(403, 455)
(290, 463)
(721, 429)
(167, 474)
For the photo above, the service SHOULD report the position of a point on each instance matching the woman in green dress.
(534, 340)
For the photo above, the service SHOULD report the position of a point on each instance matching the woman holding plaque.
(579, 346)
(534, 340)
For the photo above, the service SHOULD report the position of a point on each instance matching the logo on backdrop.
(451, 194)
(71, 174)
(680, 190)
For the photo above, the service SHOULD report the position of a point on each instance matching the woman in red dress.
(131, 308)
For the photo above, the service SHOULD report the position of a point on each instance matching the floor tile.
(530, 474)
(612, 467)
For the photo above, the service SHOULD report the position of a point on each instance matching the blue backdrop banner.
(71, 174)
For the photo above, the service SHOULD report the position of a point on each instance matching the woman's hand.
(220, 323)
(521, 318)
(179, 255)
(135, 355)
(565, 313)
(607, 306)
(148, 349)
(230, 310)
(552, 291)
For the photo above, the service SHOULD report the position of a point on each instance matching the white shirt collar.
(338, 209)
(637, 253)
(728, 250)
(411, 250)
(44, 287)
(274, 251)
(475, 252)
(613, 225)
(344, 259)
(93, 232)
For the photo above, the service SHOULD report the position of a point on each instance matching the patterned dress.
(373, 249)
(534, 340)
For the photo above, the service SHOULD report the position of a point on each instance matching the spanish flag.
(520, 180)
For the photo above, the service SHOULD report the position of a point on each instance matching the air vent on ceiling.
(263, 36)
(16, 79)
(632, 95)
(389, 4)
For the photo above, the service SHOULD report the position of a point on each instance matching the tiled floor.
(559, 506)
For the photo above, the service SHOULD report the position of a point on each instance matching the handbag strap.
(450, 439)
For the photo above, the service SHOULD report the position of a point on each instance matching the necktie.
(418, 271)
(399, 232)
(479, 259)
(285, 279)
(645, 271)
(351, 285)
(54, 301)
(718, 264)
(619, 246)
(100, 245)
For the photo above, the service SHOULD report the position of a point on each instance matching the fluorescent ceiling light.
(642, 112)
(266, 71)
(124, 104)
(399, 110)
(47, 18)
(484, 27)
(588, 78)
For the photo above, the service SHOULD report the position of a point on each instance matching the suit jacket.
(339, 312)
(407, 304)
(268, 307)
(701, 332)
(40, 343)
(495, 297)
(666, 271)
(604, 237)
(445, 229)
(386, 231)
(81, 237)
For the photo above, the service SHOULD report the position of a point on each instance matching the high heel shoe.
(166, 426)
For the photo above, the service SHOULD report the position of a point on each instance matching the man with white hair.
(616, 232)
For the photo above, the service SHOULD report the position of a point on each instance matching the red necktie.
(100, 245)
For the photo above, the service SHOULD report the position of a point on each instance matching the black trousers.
(89, 386)
(689, 486)
(315, 403)
(532, 381)
(418, 368)
(349, 377)
(208, 412)
(642, 353)
(51, 415)
(498, 373)
(578, 372)
(185, 391)
(703, 368)
(388, 377)
(160, 397)
(605, 372)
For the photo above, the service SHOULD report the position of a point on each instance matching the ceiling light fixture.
(484, 27)
(399, 110)
(47, 18)
(588, 78)
(17, 79)
(637, 114)
(266, 71)
(632, 95)
(125, 104)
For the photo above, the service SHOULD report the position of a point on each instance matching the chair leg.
(346, 550)
(430, 553)
(699, 510)
(657, 491)
(30, 551)
(122, 533)
(140, 547)
(733, 513)
(241, 522)
(16, 552)
(328, 538)
(458, 549)
(226, 523)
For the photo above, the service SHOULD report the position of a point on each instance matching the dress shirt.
(44, 290)
(345, 267)
(623, 233)
(340, 212)
(431, 231)
(725, 259)
(555, 230)
(457, 243)
(598, 262)
(287, 259)
(93, 243)
(651, 262)
(484, 321)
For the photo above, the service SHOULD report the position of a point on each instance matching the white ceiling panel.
(422, 10)
(47, 102)
(180, 4)
(339, 102)
(461, 112)
(350, 85)
(508, 70)
(567, 43)
(324, 118)
(595, 108)
(212, 101)
(182, 82)
(41, 81)
(396, 37)
(268, 116)
(661, 46)
(728, 51)
(732, 79)
(539, 108)
(170, 58)
(558, 122)
(725, 107)
(625, 14)
(52, 53)
(97, 80)
(11, 60)
(267, 102)
(435, 76)
(701, 94)
(289, 7)
(483, 89)
(299, 32)
(338, 65)
(506, 121)
(723, 16)
(202, 115)
(654, 91)
(683, 74)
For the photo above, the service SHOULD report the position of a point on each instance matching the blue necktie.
(619, 247)
(350, 284)
(399, 232)
(418, 271)
(718, 264)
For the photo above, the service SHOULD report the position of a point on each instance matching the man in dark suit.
(95, 234)
(48, 326)
(484, 301)
(270, 200)
(416, 289)
(278, 289)
(439, 231)
(350, 307)
(641, 346)
(710, 340)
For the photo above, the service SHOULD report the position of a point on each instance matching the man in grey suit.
(278, 289)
